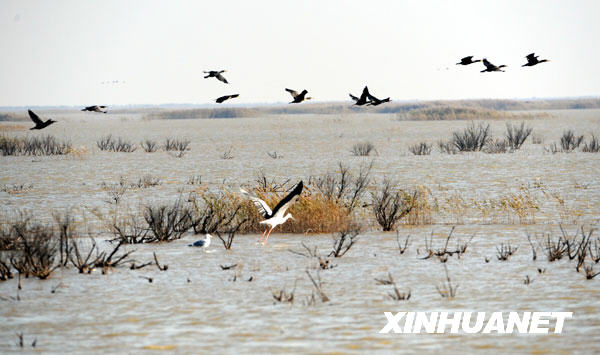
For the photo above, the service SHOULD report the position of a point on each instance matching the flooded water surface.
(197, 307)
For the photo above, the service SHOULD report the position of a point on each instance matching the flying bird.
(216, 74)
(298, 98)
(225, 98)
(276, 216)
(532, 60)
(489, 67)
(468, 60)
(96, 108)
(373, 101)
(362, 99)
(202, 243)
(39, 124)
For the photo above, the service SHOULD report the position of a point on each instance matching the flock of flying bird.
(365, 98)
(532, 60)
(278, 215)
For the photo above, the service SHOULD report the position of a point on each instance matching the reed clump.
(115, 144)
(37, 146)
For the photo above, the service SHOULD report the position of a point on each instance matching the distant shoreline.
(497, 104)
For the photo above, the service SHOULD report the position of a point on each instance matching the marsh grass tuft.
(569, 141)
(420, 149)
(363, 149)
(516, 136)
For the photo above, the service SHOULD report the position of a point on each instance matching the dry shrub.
(472, 138)
(391, 204)
(167, 222)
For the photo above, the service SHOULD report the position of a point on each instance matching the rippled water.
(123, 312)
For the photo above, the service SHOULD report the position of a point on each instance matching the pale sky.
(61, 52)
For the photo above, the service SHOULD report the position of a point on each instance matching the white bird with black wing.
(277, 216)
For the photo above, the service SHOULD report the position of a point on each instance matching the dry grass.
(12, 127)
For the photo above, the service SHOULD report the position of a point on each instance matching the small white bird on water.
(276, 216)
(202, 243)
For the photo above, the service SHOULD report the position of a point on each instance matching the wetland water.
(123, 312)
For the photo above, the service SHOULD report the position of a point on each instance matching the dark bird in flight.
(298, 98)
(39, 124)
(468, 60)
(96, 108)
(225, 98)
(373, 101)
(362, 99)
(277, 216)
(489, 67)
(216, 74)
(532, 60)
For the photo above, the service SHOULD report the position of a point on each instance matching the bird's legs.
(267, 237)
(261, 237)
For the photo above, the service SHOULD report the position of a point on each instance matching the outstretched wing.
(531, 56)
(467, 59)
(294, 93)
(34, 117)
(364, 95)
(353, 97)
(261, 205)
(221, 78)
(287, 201)
(488, 64)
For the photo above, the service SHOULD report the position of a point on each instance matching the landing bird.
(39, 124)
(298, 98)
(226, 97)
(373, 101)
(363, 97)
(216, 74)
(202, 243)
(468, 60)
(532, 60)
(489, 67)
(275, 217)
(96, 108)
